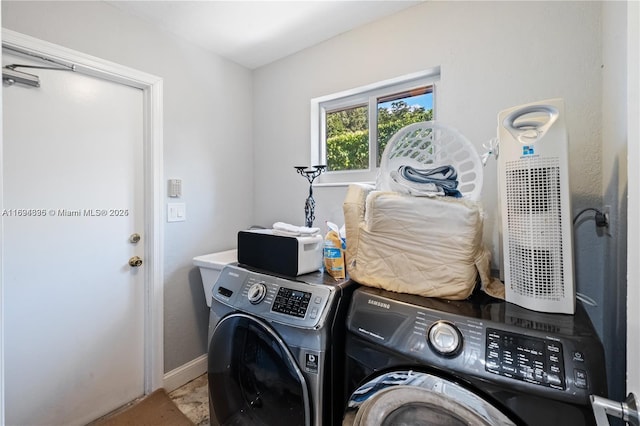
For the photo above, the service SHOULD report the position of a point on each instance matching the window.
(349, 130)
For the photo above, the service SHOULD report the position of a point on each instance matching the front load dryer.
(276, 348)
(414, 360)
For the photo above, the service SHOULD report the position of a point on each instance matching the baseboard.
(185, 373)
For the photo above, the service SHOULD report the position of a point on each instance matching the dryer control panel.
(285, 301)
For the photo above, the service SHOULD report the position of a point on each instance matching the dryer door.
(412, 398)
(253, 378)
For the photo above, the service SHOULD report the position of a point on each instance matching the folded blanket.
(429, 246)
(286, 229)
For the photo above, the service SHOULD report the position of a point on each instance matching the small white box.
(290, 256)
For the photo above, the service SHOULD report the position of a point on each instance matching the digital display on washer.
(529, 359)
(291, 302)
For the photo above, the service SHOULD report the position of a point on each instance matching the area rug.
(156, 409)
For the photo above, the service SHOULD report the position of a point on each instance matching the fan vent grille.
(535, 232)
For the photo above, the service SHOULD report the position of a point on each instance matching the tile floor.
(193, 400)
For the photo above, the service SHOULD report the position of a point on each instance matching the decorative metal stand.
(310, 172)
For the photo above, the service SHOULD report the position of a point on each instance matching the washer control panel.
(291, 302)
(530, 359)
(277, 299)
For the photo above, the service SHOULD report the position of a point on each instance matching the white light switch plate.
(176, 212)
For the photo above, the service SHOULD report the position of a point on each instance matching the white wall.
(207, 133)
(493, 55)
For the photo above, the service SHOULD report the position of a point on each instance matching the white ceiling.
(255, 33)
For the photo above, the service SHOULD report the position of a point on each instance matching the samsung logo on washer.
(380, 304)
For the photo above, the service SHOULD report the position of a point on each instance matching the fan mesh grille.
(534, 223)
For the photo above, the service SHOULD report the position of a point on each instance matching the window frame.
(364, 95)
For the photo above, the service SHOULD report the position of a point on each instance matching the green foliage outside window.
(348, 134)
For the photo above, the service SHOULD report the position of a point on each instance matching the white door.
(73, 196)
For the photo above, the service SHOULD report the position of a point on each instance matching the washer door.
(412, 398)
(253, 378)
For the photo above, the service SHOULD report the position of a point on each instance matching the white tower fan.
(537, 234)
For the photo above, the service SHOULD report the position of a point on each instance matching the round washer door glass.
(253, 378)
(411, 398)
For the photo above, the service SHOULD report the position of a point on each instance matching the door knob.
(135, 261)
(134, 238)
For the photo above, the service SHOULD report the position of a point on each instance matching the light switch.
(176, 212)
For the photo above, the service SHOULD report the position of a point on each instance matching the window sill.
(339, 184)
